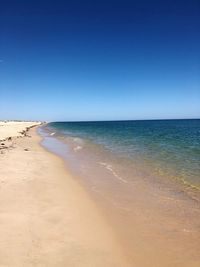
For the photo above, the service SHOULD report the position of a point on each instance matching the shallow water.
(167, 148)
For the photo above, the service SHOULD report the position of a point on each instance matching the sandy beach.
(46, 218)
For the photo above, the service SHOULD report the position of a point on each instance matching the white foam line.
(77, 148)
(109, 167)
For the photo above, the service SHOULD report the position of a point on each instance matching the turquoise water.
(167, 148)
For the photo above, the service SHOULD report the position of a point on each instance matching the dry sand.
(46, 218)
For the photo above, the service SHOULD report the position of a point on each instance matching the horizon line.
(123, 120)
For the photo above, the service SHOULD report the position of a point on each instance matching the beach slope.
(46, 218)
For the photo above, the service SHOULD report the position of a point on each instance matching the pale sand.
(46, 218)
(14, 128)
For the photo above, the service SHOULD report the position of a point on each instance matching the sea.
(166, 149)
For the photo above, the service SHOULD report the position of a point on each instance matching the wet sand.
(46, 218)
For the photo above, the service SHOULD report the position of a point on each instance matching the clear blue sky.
(99, 60)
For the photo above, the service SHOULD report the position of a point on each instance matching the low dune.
(15, 128)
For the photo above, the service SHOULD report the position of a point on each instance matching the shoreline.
(191, 190)
(150, 219)
(49, 217)
(46, 218)
(162, 170)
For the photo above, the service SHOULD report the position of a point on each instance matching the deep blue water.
(169, 147)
